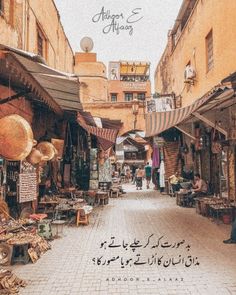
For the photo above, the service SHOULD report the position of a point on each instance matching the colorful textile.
(156, 157)
(148, 171)
(162, 174)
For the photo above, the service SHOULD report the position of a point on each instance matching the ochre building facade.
(114, 97)
(204, 37)
(92, 76)
(35, 26)
(198, 59)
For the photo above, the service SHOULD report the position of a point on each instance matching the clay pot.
(16, 138)
(47, 149)
(36, 156)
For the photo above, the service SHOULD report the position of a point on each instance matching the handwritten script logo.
(117, 22)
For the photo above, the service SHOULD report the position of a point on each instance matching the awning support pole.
(15, 96)
(210, 123)
(185, 132)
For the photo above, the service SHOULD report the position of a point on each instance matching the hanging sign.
(28, 182)
(27, 187)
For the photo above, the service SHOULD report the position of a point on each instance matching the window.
(128, 96)
(41, 43)
(209, 51)
(141, 96)
(113, 97)
(188, 85)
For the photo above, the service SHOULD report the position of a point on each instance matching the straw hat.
(47, 149)
(36, 156)
(16, 138)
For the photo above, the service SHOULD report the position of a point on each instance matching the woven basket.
(16, 138)
(4, 210)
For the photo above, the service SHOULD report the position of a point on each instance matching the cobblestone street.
(69, 267)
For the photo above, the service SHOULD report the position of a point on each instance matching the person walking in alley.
(148, 174)
(133, 170)
(139, 178)
(128, 174)
(126, 170)
(155, 178)
(232, 239)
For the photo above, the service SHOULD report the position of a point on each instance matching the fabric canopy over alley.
(157, 122)
(106, 130)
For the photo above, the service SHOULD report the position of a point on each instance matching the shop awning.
(121, 139)
(130, 148)
(157, 122)
(106, 133)
(58, 90)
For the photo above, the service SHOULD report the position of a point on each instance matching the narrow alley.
(68, 268)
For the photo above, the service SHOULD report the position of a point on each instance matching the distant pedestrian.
(128, 174)
(148, 174)
(133, 169)
(139, 178)
(155, 178)
(126, 170)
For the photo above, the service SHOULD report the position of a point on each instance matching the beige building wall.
(11, 26)
(121, 87)
(118, 111)
(92, 77)
(95, 91)
(20, 22)
(207, 15)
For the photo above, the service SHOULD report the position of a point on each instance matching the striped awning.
(157, 122)
(106, 136)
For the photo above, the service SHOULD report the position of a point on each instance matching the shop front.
(207, 144)
(103, 133)
(48, 100)
(40, 144)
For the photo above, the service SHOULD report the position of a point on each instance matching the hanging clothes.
(105, 171)
(162, 174)
(68, 152)
(161, 153)
(155, 157)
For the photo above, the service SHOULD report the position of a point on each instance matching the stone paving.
(69, 269)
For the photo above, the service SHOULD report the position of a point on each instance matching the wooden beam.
(2, 55)
(185, 132)
(210, 123)
(15, 96)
